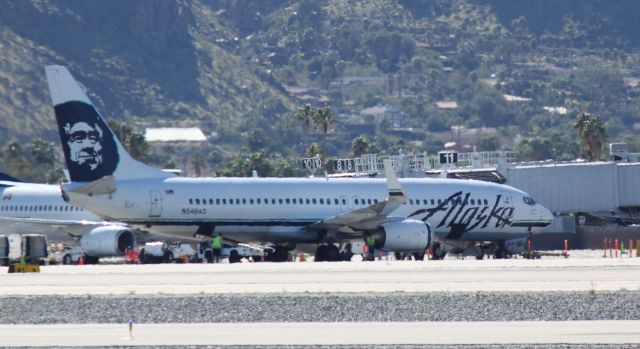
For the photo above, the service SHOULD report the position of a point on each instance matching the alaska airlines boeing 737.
(400, 215)
(31, 208)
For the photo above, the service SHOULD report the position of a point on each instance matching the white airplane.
(30, 208)
(401, 216)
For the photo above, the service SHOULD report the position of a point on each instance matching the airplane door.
(156, 203)
(344, 204)
(507, 201)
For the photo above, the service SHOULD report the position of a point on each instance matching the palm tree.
(305, 114)
(592, 134)
(325, 117)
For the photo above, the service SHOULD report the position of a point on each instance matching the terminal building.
(591, 200)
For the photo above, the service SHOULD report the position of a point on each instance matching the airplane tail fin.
(7, 178)
(91, 149)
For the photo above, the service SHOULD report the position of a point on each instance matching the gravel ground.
(441, 306)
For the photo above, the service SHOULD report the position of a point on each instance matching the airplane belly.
(265, 234)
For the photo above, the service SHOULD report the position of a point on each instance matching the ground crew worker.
(371, 242)
(216, 248)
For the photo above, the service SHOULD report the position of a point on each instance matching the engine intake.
(409, 235)
(107, 241)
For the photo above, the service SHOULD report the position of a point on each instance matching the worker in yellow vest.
(216, 248)
(371, 247)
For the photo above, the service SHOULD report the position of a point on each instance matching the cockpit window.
(528, 200)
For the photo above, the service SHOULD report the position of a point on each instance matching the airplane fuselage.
(277, 210)
(33, 202)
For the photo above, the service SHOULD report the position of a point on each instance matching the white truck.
(166, 252)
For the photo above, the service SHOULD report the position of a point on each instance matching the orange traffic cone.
(301, 259)
(81, 260)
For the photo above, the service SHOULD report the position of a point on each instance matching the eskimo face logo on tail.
(88, 144)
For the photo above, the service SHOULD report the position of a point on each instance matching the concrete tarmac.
(331, 333)
(515, 275)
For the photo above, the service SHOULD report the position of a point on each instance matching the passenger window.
(197, 201)
(355, 201)
(439, 201)
(321, 201)
(300, 201)
(486, 202)
(218, 201)
(375, 201)
(251, 201)
(280, 201)
(258, 200)
(473, 202)
(287, 201)
(308, 201)
(313, 201)
(410, 201)
(294, 201)
(336, 202)
(244, 201)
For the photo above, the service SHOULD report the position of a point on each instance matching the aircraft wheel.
(279, 254)
(333, 253)
(168, 257)
(66, 260)
(234, 256)
(438, 251)
(501, 253)
(419, 256)
(478, 252)
(321, 254)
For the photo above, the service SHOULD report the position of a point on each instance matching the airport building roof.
(174, 134)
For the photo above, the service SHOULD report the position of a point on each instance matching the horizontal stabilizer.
(103, 186)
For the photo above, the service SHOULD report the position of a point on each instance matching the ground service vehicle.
(29, 248)
(166, 252)
(234, 253)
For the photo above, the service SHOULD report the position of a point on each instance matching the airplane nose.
(545, 214)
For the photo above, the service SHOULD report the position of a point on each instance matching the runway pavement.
(335, 333)
(381, 276)
(341, 282)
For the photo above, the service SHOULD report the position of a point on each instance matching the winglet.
(396, 193)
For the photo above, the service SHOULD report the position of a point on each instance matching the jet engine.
(406, 235)
(107, 241)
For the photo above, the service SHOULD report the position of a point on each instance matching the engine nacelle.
(107, 241)
(409, 235)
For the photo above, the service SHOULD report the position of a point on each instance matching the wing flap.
(369, 217)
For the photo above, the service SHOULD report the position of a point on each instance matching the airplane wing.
(71, 228)
(370, 217)
(51, 222)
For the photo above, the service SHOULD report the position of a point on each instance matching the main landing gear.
(331, 253)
